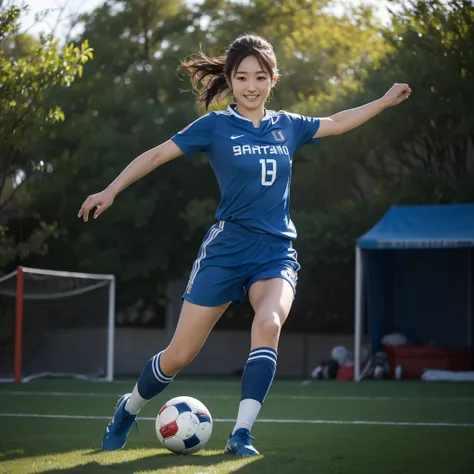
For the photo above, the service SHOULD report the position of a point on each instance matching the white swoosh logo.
(233, 137)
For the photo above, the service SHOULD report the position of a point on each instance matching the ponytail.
(208, 72)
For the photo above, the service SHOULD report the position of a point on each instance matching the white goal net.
(56, 324)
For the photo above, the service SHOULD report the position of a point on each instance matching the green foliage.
(8, 21)
(432, 49)
(36, 243)
(29, 72)
(330, 236)
(25, 79)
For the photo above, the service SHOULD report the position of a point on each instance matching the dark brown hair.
(210, 75)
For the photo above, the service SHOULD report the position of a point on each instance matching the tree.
(29, 72)
(428, 139)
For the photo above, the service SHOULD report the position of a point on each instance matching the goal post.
(56, 324)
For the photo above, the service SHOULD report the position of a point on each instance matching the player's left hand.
(396, 94)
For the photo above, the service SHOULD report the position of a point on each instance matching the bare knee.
(267, 327)
(173, 360)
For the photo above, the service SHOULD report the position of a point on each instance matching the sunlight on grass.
(11, 453)
(224, 467)
(140, 461)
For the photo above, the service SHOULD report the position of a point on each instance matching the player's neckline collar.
(232, 110)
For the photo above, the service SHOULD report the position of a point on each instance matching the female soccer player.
(248, 252)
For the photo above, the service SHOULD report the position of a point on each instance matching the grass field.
(56, 426)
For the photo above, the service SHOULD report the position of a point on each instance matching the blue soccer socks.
(152, 381)
(256, 381)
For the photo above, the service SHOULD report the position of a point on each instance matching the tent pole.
(469, 298)
(358, 312)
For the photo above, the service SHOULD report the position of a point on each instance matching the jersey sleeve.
(197, 136)
(305, 128)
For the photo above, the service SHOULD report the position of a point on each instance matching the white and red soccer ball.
(183, 425)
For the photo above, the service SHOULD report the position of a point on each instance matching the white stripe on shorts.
(197, 264)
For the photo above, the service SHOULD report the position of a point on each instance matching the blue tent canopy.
(414, 274)
(442, 226)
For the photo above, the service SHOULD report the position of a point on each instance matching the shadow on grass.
(160, 462)
(146, 459)
(70, 451)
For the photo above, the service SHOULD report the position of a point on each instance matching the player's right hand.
(99, 201)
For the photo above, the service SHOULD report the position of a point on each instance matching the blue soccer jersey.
(252, 165)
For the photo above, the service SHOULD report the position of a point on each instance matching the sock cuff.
(157, 372)
(261, 353)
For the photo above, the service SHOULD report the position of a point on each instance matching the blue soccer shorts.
(231, 259)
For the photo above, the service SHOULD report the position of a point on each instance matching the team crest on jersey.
(278, 135)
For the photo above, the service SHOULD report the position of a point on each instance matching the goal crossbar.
(89, 276)
(38, 271)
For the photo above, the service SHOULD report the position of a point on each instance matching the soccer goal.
(56, 324)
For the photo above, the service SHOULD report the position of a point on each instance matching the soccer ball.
(183, 425)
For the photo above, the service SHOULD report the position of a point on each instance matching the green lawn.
(371, 427)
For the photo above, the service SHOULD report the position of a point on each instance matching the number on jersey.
(269, 171)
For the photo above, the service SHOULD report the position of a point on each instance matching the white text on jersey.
(260, 150)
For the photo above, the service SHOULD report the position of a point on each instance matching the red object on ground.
(415, 359)
(345, 372)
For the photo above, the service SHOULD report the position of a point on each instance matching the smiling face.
(251, 85)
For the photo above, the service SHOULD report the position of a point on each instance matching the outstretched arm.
(348, 119)
(138, 168)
